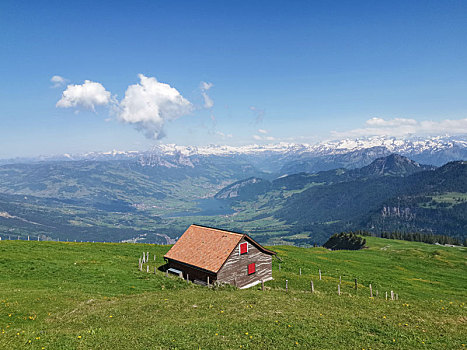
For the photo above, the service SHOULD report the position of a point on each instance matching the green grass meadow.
(58, 295)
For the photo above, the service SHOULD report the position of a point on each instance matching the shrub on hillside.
(345, 240)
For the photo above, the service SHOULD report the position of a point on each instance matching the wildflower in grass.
(246, 333)
(222, 311)
(384, 316)
(37, 338)
(394, 340)
(290, 326)
(251, 336)
(9, 315)
(110, 316)
(406, 324)
(17, 333)
(29, 341)
(79, 337)
(217, 333)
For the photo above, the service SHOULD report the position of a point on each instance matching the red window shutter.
(243, 248)
(251, 268)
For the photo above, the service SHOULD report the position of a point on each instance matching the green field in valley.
(56, 295)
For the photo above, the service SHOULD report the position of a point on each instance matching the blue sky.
(293, 71)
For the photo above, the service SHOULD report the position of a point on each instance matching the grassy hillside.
(88, 296)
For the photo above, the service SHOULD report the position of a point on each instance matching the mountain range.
(393, 193)
(284, 193)
(286, 158)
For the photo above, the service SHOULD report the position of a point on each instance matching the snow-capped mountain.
(288, 157)
(393, 145)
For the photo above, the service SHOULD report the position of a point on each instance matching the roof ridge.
(219, 229)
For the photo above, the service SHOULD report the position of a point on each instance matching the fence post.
(392, 295)
(371, 291)
(340, 279)
(386, 295)
(279, 267)
(397, 296)
(338, 289)
(147, 269)
(155, 268)
(187, 278)
(300, 271)
(356, 284)
(286, 285)
(312, 286)
(320, 275)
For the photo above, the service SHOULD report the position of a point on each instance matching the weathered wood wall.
(193, 273)
(235, 269)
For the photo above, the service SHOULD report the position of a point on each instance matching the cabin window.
(251, 268)
(243, 248)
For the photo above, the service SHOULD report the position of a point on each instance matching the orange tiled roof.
(204, 247)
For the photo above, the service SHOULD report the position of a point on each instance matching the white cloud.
(257, 137)
(262, 131)
(259, 114)
(58, 81)
(206, 86)
(208, 102)
(87, 95)
(403, 127)
(263, 138)
(150, 104)
(223, 135)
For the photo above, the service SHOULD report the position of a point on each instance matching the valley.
(149, 196)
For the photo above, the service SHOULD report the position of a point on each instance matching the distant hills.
(392, 193)
(285, 193)
(285, 158)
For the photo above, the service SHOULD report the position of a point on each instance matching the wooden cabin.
(208, 255)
